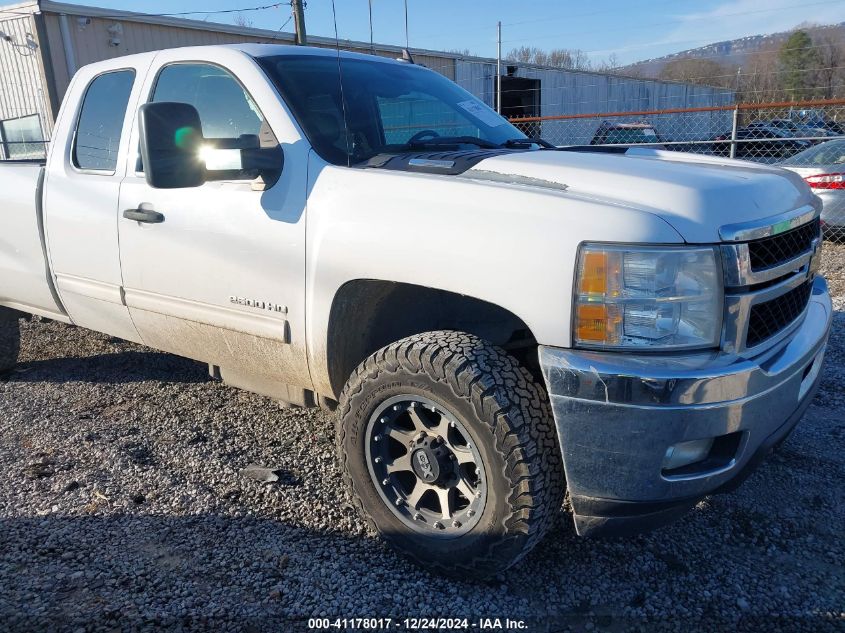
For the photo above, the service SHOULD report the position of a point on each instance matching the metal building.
(42, 43)
(537, 91)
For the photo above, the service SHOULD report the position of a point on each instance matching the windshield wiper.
(439, 141)
(522, 142)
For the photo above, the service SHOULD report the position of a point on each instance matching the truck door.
(81, 196)
(219, 277)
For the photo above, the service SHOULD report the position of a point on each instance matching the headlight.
(654, 297)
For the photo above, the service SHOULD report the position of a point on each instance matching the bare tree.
(242, 20)
(610, 65)
(759, 78)
(831, 57)
(524, 54)
(699, 71)
(572, 59)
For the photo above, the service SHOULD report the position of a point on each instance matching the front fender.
(508, 244)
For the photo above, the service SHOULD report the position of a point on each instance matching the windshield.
(784, 125)
(390, 108)
(830, 153)
(630, 135)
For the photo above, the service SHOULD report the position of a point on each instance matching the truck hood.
(693, 193)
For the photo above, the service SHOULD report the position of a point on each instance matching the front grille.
(767, 319)
(778, 249)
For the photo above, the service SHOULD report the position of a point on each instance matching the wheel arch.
(367, 314)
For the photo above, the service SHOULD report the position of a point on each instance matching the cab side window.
(230, 118)
(100, 121)
(226, 110)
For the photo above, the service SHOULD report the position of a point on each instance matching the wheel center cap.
(425, 464)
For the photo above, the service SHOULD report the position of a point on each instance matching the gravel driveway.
(123, 505)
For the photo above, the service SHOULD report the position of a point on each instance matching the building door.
(520, 97)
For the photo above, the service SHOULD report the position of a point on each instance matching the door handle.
(144, 215)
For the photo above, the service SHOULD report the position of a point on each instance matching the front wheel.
(10, 338)
(448, 447)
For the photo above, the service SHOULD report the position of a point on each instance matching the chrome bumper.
(617, 414)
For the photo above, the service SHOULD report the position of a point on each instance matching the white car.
(823, 168)
(495, 321)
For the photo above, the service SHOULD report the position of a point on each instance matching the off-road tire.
(10, 338)
(509, 414)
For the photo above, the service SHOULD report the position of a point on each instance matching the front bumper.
(617, 414)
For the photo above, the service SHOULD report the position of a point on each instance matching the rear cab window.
(630, 135)
(100, 124)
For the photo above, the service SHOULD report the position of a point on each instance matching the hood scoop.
(449, 163)
(514, 179)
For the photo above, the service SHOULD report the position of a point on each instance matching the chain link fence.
(807, 137)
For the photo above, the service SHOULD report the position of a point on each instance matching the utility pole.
(372, 46)
(407, 45)
(299, 22)
(735, 120)
(499, 67)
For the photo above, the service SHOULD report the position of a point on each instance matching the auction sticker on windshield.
(482, 113)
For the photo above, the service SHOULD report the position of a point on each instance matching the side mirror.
(171, 138)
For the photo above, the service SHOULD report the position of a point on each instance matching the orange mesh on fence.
(818, 103)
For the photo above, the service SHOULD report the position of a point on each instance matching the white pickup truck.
(496, 320)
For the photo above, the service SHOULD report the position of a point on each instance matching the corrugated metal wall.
(477, 78)
(22, 90)
(573, 92)
(91, 41)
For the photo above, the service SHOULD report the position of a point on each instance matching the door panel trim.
(28, 309)
(236, 320)
(85, 287)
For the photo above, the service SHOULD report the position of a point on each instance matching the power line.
(627, 27)
(575, 15)
(441, 35)
(275, 5)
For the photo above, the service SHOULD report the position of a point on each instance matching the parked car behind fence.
(761, 142)
(625, 134)
(823, 168)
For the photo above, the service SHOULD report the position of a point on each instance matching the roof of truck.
(253, 50)
(267, 50)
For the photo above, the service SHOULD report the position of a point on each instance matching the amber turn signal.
(594, 273)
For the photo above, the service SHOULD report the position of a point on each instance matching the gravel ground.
(124, 506)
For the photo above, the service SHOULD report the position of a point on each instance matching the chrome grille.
(768, 278)
(778, 249)
(767, 319)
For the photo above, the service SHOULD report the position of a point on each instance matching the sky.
(632, 30)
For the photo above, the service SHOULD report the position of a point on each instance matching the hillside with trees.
(806, 63)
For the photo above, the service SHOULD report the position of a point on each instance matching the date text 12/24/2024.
(417, 624)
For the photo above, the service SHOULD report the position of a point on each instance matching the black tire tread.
(10, 338)
(504, 394)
